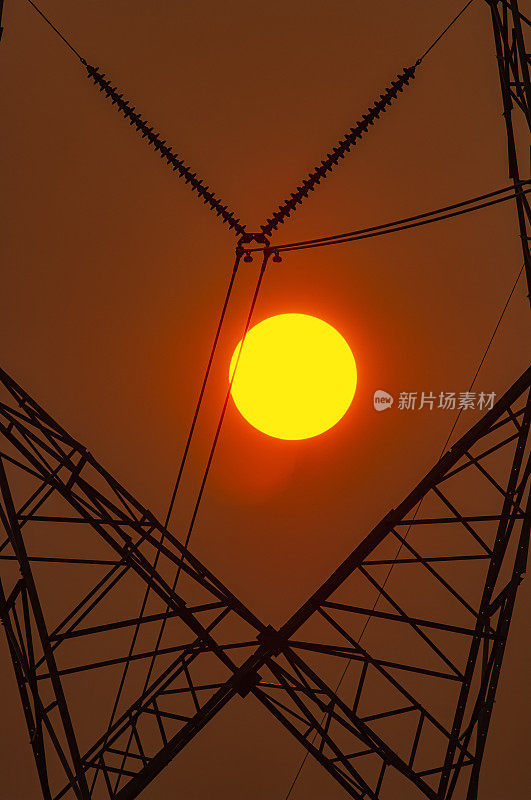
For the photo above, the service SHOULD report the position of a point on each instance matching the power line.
(203, 387)
(445, 31)
(57, 31)
(415, 221)
(494, 332)
(226, 401)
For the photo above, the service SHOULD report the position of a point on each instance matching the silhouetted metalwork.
(418, 699)
(320, 172)
(308, 185)
(513, 68)
(432, 662)
(405, 714)
(65, 493)
(165, 151)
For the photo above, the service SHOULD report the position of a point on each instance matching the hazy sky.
(113, 275)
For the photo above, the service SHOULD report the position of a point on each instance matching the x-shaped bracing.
(416, 701)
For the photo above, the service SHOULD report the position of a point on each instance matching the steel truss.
(513, 67)
(432, 663)
(401, 706)
(417, 696)
(66, 490)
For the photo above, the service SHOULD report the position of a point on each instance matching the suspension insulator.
(343, 147)
(164, 150)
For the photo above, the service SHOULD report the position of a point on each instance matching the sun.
(295, 376)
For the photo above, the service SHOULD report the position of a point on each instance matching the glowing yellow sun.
(295, 377)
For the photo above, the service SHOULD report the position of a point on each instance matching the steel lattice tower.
(412, 716)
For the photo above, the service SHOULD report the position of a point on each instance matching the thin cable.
(424, 218)
(339, 237)
(399, 550)
(57, 31)
(224, 409)
(206, 472)
(494, 332)
(203, 385)
(382, 232)
(445, 31)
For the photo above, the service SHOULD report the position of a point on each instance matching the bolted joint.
(271, 639)
(248, 682)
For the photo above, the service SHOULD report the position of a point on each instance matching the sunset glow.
(295, 378)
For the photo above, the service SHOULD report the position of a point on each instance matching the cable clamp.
(249, 238)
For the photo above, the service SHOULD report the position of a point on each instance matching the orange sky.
(114, 274)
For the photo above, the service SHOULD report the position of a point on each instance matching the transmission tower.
(513, 66)
(400, 708)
